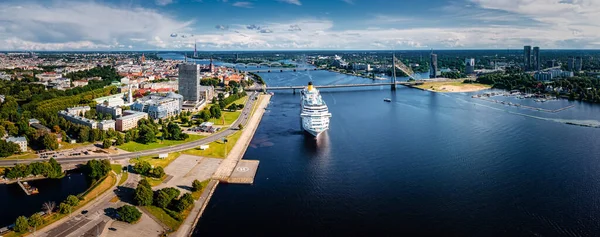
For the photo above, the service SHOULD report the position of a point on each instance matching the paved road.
(186, 146)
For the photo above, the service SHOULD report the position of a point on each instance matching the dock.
(244, 172)
(27, 188)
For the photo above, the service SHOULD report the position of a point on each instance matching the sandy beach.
(452, 86)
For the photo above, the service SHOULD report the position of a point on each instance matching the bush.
(72, 200)
(64, 208)
(165, 196)
(196, 185)
(184, 202)
(21, 224)
(142, 167)
(174, 214)
(129, 214)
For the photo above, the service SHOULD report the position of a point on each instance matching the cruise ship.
(315, 114)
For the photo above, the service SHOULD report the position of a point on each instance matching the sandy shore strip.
(452, 86)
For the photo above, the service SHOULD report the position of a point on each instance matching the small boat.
(387, 100)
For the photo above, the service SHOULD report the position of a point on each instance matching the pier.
(29, 190)
(244, 172)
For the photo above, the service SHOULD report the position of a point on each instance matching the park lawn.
(22, 156)
(241, 100)
(134, 146)
(66, 145)
(116, 168)
(106, 184)
(124, 177)
(155, 161)
(154, 181)
(196, 194)
(161, 215)
(230, 117)
(216, 149)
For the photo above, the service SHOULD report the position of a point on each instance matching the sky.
(297, 24)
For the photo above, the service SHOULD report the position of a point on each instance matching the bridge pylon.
(393, 71)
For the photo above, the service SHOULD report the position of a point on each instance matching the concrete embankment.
(225, 170)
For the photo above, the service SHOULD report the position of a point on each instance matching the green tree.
(146, 135)
(8, 148)
(119, 140)
(196, 185)
(21, 224)
(84, 134)
(72, 200)
(96, 169)
(165, 196)
(142, 167)
(129, 214)
(64, 208)
(50, 142)
(157, 172)
(240, 126)
(143, 195)
(106, 143)
(184, 202)
(36, 220)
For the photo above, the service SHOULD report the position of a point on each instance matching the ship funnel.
(310, 86)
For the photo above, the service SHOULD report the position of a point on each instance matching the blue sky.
(297, 24)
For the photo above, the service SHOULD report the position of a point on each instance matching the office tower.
(536, 58)
(571, 64)
(527, 58)
(578, 64)
(469, 65)
(189, 79)
(433, 70)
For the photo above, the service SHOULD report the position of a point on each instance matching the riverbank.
(226, 167)
(455, 86)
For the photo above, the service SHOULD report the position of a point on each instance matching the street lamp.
(225, 141)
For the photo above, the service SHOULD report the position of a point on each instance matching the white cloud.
(163, 2)
(242, 4)
(80, 25)
(295, 2)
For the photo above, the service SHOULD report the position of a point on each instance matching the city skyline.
(297, 25)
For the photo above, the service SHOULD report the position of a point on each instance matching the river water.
(14, 201)
(426, 164)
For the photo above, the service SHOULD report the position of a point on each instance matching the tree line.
(50, 169)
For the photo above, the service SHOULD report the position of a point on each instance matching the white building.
(21, 141)
(107, 124)
(114, 111)
(80, 110)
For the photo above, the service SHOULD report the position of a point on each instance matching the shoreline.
(226, 167)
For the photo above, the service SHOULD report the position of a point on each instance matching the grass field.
(66, 145)
(216, 149)
(22, 156)
(155, 161)
(106, 184)
(453, 86)
(134, 146)
(124, 177)
(161, 215)
(116, 168)
(230, 117)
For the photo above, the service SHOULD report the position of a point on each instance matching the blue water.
(426, 164)
(14, 201)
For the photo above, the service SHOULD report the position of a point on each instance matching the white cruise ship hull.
(310, 130)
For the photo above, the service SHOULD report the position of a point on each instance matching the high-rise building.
(571, 64)
(536, 59)
(551, 63)
(189, 79)
(433, 70)
(195, 51)
(527, 58)
(578, 64)
(469, 65)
